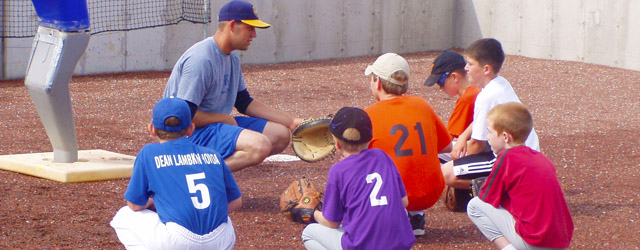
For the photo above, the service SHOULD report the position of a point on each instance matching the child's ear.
(456, 77)
(378, 83)
(487, 69)
(191, 128)
(335, 140)
(152, 130)
(507, 137)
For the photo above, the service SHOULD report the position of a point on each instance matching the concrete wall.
(592, 31)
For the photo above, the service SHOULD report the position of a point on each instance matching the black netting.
(19, 18)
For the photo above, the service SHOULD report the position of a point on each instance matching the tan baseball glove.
(300, 200)
(312, 141)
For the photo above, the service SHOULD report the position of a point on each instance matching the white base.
(281, 158)
(92, 165)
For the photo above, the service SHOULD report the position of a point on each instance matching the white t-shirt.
(497, 91)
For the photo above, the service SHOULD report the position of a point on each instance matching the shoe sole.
(418, 232)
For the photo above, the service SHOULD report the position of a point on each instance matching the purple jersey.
(365, 192)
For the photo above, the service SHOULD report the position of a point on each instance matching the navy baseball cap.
(171, 107)
(446, 62)
(242, 11)
(351, 117)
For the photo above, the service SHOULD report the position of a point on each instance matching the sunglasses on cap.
(443, 77)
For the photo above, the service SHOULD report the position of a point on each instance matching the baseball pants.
(495, 223)
(144, 230)
(319, 237)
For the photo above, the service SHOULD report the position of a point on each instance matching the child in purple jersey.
(179, 194)
(364, 201)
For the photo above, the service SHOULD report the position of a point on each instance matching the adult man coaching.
(208, 76)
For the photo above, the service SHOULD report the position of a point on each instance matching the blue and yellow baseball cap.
(242, 11)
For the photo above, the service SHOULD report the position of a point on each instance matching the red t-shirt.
(411, 133)
(524, 182)
(462, 114)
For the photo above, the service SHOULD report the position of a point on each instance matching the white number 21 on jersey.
(193, 188)
(374, 193)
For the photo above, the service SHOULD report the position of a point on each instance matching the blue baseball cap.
(352, 118)
(242, 11)
(171, 107)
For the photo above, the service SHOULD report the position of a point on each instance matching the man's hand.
(296, 122)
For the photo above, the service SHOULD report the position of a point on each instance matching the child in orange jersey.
(448, 72)
(410, 132)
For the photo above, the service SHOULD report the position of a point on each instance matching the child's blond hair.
(513, 118)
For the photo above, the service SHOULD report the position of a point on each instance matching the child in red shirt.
(521, 205)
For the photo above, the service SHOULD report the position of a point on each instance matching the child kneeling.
(521, 204)
(364, 192)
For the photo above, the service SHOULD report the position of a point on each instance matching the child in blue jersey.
(364, 193)
(180, 193)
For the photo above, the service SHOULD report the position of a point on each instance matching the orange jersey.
(411, 133)
(462, 114)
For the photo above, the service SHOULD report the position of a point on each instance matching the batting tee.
(60, 41)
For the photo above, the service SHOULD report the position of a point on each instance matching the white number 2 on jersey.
(374, 193)
(193, 188)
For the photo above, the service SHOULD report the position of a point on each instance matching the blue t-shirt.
(365, 192)
(207, 77)
(190, 185)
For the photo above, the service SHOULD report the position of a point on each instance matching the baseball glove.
(476, 185)
(456, 199)
(300, 200)
(312, 141)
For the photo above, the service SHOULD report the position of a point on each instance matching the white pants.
(495, 223)
(319, 237)
(144, 230)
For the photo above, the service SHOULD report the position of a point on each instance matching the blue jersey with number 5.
(190, 185)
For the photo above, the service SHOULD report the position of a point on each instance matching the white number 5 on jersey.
(194, 188)
(374, 193)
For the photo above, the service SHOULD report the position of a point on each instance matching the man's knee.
(281, 142)
(255, 146)
(260, 149)
(278, 135)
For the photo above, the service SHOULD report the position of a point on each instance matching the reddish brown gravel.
(586, 117)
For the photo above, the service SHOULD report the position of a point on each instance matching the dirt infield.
(585, 115)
